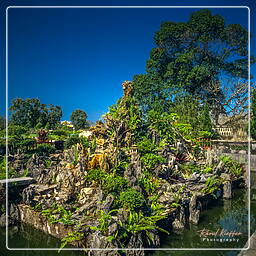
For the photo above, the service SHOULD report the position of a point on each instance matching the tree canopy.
(78, 119)
(253, 119)
(32, 113)
(190, 58)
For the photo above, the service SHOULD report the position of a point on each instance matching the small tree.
(78, 119)
(253, 118)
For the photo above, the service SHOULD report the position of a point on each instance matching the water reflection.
(229, 214)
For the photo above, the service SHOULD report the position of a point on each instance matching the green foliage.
(190, 58)
(32, 113)
(78, 119)
(2, 168)
(177, 196)
(151, 161)
(232, 166)
(37, 207)
(253, 117)
(137, 222)
(45, 149)
(126, 112)
(75, 139)
(47, 163)
(59, 134)
(212, 184)
(132, 199)
(16, 130)
(71, 237)
(113, 184)
(110, 183)
(58, 214)
(72, 140)
(188, 168)
(162, 122)
(84, 141)
(146, 146)
(96, 175)
(149, 183)
(2, 123)
(104, 219)
(191, 111)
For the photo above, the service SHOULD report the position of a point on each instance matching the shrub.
(113, 184)
(16, 130)
(151, 160)
(232, 166)
(60, 132)
(211, 185)
(109, 182)
(96, 175)
(149, 184)
(146, 146)
(132, 199)
(84, 141)
(72, 140)
(45, 149)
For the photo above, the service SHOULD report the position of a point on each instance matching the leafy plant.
(149, 183)
(151, 160)
(137, 222)
(58, 214)
(72, 140)
(212, 184)
(71, 237)
(96, 175)
(132, 199)
(103, 219)
(233, 166)
(146, 146)
(177, 196)
(45, 149)
(47, 163)
(113, 184)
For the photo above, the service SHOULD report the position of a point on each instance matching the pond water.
(230, 215)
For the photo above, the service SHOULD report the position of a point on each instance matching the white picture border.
(149, 249)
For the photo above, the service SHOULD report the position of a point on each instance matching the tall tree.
(191, 58)
(32, 113)
(54, 115)
(2, 123)
(253, 117)
(78, 119)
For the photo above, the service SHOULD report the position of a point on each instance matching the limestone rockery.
(64, 184)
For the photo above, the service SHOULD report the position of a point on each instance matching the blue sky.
(78, 58)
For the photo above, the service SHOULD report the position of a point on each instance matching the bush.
(232, 166)
(151, 160)
(2, 168)
(132, 199)
(146, 146)
(96, 175)
(108, 182)
(72, 140)
(84, 141)
(2, 147)
(16, 130)
(113, 184)
(45, 149)
(60, 132)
